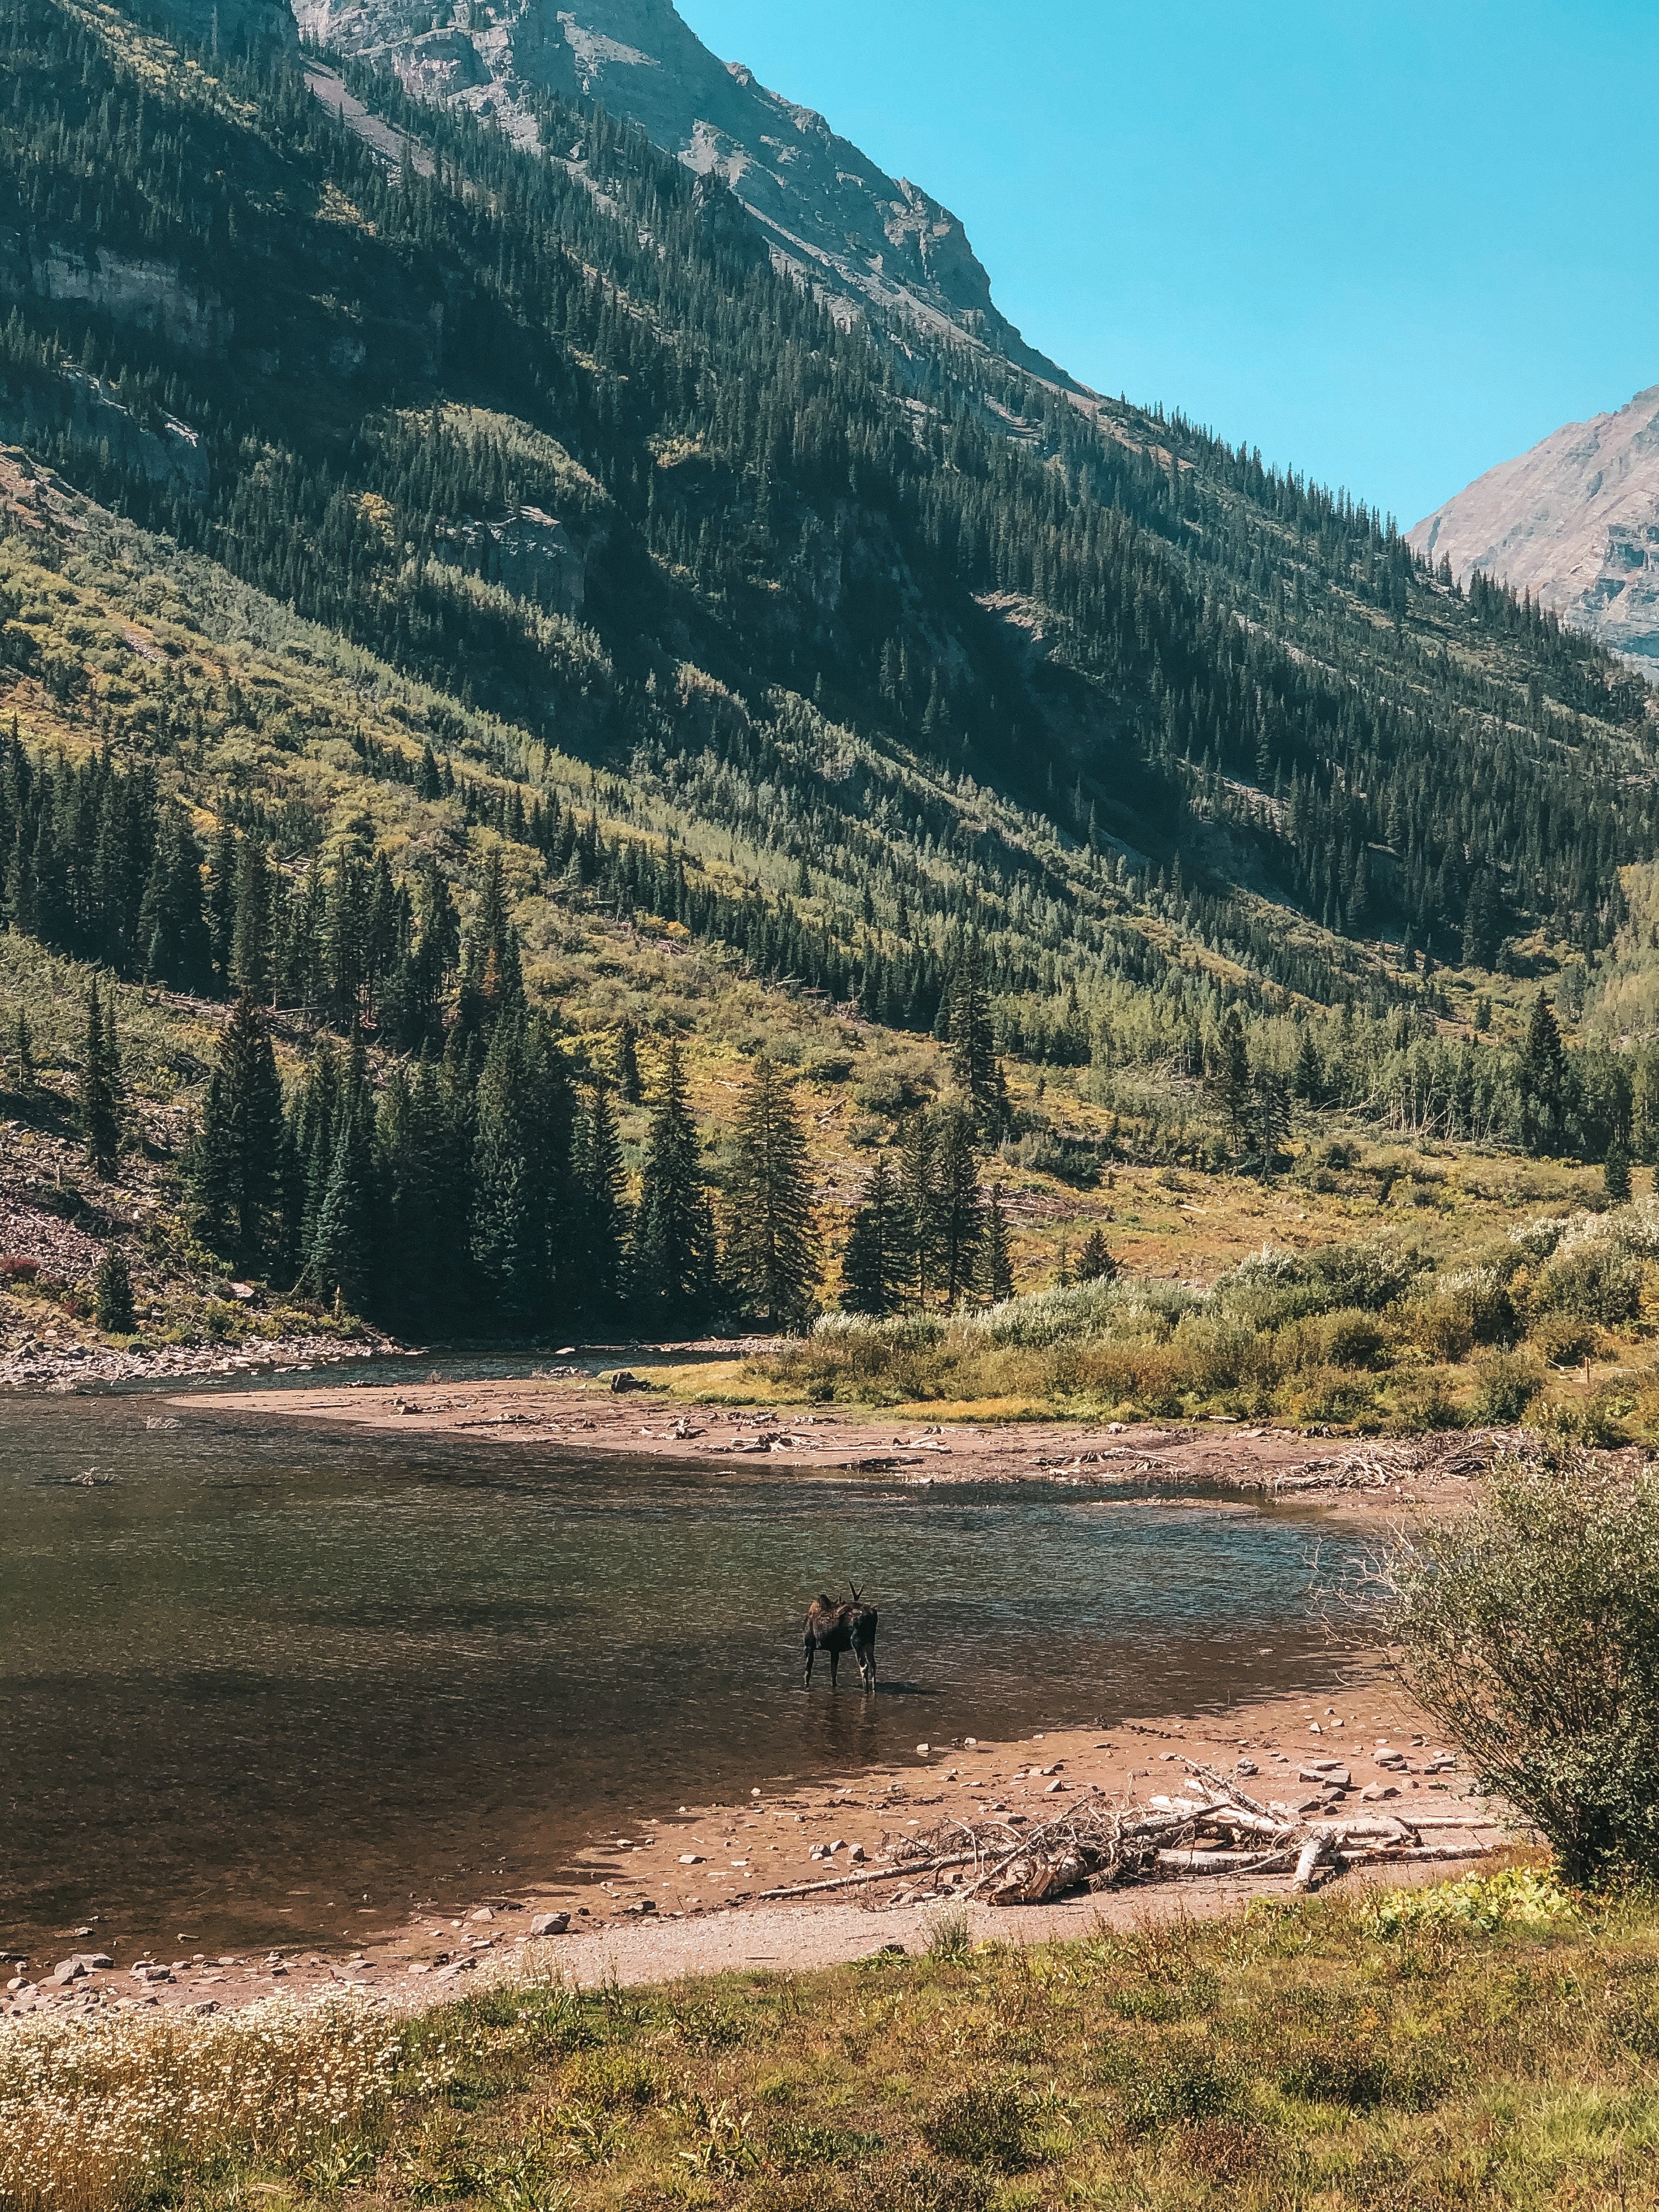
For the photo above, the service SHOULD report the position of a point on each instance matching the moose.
(835, 1625)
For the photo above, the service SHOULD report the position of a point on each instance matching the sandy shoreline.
(682, 1889)
(579, 1413)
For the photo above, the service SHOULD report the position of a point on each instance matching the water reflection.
(264, 1676)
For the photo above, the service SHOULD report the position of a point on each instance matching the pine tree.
(101, 1103)
(340, 1260)
(996, 1262)
(629, 1083)
(1095, 1263)
(1308, 1079)
(973, 1040)
(172, 931)
(250, 941)
(772, 1251)
(1230, 1077)
(1542, 1078)
(112, 1293)
(1615, 1173)
(673, 1266)
(235, 1166)
(599, 1232)
(1273, 1109)
(873, 1263)
(961, 1208)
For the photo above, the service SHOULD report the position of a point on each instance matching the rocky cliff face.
(1575, 522)
(826, 209)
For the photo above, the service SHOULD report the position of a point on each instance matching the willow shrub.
(1530, 1628)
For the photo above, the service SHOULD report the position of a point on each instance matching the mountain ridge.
(1575, 521)
(830, 215)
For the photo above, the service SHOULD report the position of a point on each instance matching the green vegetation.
(1488, 2041)
(535, 663)
(1530, 1634)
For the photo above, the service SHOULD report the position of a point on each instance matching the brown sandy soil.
(683, 1890)
(585, 1415)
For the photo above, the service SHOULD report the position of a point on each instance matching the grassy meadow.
(1490, 2042)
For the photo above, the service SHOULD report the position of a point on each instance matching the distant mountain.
(1575, 522)
(828, 211)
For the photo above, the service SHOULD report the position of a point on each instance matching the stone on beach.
(549, 1924)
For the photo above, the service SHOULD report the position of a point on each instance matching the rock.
(1375, 1792)
(95, 1962)
(1052, 1787)
(549, 1924)
(642, 1905)
(67, 1970)
(1385, 1757)
(857, 1854)
(483, 1912)
(1330, 1772)
(149, 1972)
(922, 1750)
(691, 1858)
(624, 1380)
(1246, 1766)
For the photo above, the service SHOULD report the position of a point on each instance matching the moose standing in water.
(836, 1626)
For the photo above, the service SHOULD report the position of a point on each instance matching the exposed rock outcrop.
(1575, 522)
(166, 451)
(827, 211)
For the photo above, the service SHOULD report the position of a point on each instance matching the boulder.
(549, 1924)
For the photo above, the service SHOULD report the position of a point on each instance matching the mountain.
(1576, 523)
(829, 214)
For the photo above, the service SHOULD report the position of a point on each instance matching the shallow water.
(255, 1677)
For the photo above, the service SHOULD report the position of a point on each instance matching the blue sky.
(1389, 241)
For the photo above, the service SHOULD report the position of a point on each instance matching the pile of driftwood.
(1211, 1828)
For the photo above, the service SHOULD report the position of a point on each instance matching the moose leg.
(867, 1659)
(834, 1663)
(811, 1648)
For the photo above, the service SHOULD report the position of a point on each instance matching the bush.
(1596, 1282)
(1505, 1386)
(1531, 1634)
(1562, 1340)
(112, 1293)
(982, 2126)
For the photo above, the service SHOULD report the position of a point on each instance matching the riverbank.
(576, 1410)
(690, 1888)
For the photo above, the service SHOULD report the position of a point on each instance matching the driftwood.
(1214, 1828)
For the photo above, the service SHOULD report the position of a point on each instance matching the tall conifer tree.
(772, 1251)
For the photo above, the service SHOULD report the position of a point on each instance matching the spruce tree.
(235, 1165)
(100, 1103)
(1230, 1077)
(674, 1266)
(112, 1293)
(973, 1040)
(628, 1082)
(598, 1234)
(250, 940)
(1615, 1174)
(961, 1208)
(173, 932)
(1095, 1263)
(340, 1260)
(873, 1264)
(1542, 1077)
(772, 1251)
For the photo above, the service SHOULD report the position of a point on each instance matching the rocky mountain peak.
(1575, 522)
(828, 213)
